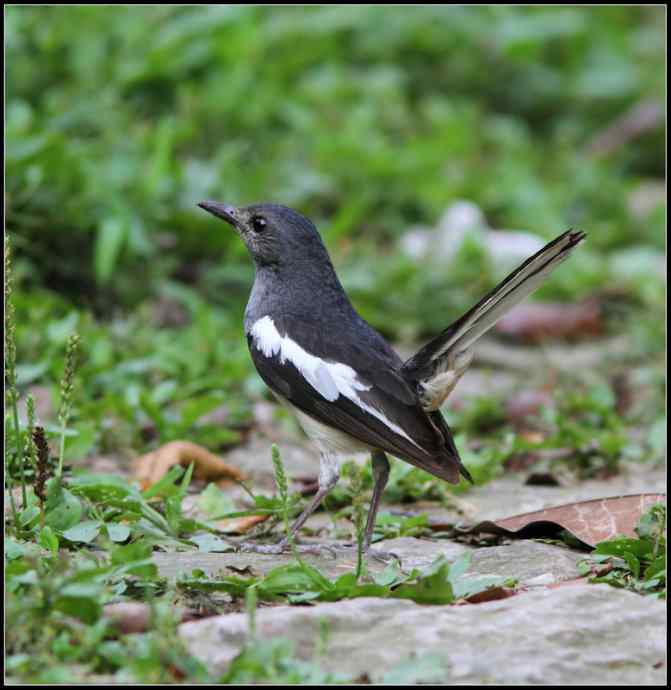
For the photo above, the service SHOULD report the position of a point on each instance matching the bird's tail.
(461, 334)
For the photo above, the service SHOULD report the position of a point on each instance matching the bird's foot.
(284, 547)
(383, 556)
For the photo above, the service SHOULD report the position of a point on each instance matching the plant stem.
(61, 452)
(19, 451)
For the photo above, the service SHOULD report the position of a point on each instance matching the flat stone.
(523, 560)
(508, 495)
(172, 565)
(574, 634)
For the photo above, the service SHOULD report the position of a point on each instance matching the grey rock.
(523, 560)
(576, 634)
(172, 565)
(509, 496)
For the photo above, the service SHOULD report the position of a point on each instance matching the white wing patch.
(329, 379)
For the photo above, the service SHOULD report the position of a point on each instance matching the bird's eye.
(258, 223)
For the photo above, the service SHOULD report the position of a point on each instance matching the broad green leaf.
(117, 531)
(214, 502)
(208, 543)
(85, 531)
(48, 539)
(63, 509)
(29, 515)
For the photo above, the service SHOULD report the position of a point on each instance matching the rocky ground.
(558, 630)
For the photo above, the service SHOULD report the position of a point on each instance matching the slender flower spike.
(11, 393)
(67, 384)
(10, 329)
(42, 470)
(30, 451)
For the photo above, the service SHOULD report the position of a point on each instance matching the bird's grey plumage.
(343, 380)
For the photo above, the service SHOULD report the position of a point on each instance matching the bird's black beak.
(227, 213)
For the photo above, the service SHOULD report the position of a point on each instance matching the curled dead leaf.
(240, 525)
(589, 521)
(135, 617)
(492, 594)
(152, 467)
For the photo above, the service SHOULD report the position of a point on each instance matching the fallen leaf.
(589, 521)
(246, 570)
(542, 479)
(240, 525)
(129, 617)
(152, 467)
(537, 321)
(135, 617)
(492, 594)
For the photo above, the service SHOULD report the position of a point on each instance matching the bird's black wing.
(370, 400)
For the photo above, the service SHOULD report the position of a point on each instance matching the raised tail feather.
(438, 357)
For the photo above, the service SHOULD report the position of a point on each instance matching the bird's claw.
(383, 556)
(285, 547)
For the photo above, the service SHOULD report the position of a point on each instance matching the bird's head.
(274, 235)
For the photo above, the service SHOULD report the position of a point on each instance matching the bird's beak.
(227, 213)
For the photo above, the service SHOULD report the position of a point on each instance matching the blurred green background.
(370, 120)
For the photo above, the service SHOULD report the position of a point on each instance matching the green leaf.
(431, 587)
(657, 567)
(214, 502)
(101, 487)
(291, 578)
(63, 509)
(619, 546)
(48, 539)
(109, 242)
(85, 531)
(84, 608)
(166, 486)
(29, 516)
(117, 532)
(633, 563)
(208, 543)
(13, 549)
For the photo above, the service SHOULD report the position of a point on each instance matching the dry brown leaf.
(492, 594)
(135, 617)
(240, 525)
(589, 521)
(129, 616)
(152, 467)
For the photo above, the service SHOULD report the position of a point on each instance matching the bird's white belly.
(328, 440)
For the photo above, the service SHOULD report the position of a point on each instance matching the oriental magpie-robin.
(348, 388)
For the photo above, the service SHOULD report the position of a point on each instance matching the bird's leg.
(329, 473)
(380, 477)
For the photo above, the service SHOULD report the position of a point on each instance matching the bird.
(348, 388)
